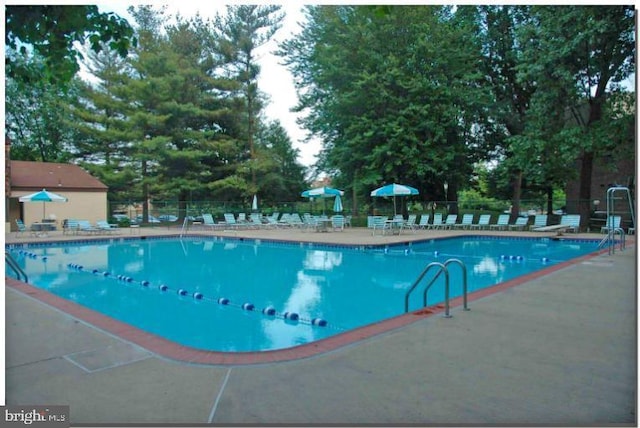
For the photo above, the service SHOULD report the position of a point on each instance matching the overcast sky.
(275, 80)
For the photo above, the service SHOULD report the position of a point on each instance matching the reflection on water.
(322, 260)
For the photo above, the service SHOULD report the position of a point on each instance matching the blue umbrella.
(43, 196)
(394, 190)
(322, 192)
(337, 204)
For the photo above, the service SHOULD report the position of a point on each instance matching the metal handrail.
(464, 281)
(185, 226)
(14, 265)
(443, 268)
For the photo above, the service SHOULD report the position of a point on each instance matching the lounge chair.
(70, 226)
(255, 220)
(613, 222)
(230, 221)
(540, 220)
(520, 223)
(437, 221)
(424, 221)
(86, 227)
(410, 223)
(467, 220)
(103, 225)
(568, 222)
(502, 223)
(209, 222)
(450, 222)
(483, 222)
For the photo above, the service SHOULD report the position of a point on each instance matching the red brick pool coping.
(175, 351)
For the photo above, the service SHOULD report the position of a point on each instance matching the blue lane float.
(269, 310)
(290, 316)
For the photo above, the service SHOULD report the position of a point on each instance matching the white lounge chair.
(613, 222)
(449, 222)
(540, 220)
(483, 222)
(502, 223)
(437, 221)
(520, 223)
(467, 220)
(424, 221)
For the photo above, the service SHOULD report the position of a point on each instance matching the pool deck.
(558, 348)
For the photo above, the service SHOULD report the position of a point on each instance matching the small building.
(86, 195)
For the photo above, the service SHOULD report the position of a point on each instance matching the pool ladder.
(11, 262)
(442, 268)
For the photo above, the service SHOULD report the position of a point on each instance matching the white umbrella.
(394, 190)
(254, 204)
(43, 196)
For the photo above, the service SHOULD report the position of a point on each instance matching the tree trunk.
(549, 199)
(517, 190)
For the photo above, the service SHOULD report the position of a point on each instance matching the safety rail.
(185, 227)
(443, 267)
(609, 239)
(14, 266)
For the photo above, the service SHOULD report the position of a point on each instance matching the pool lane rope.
(270, 311)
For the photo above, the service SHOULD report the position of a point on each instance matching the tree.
(577, 56)
(280, 175)
(242, 30)
(36, 118)
(51, 31)
(394, 96)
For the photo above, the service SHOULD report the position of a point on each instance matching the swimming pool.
(233, 294)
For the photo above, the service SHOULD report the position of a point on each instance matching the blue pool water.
(347, 287)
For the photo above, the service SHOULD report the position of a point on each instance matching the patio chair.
(337, 222)
(450, 222)
(86, 227)
(520, 223)
(540, 220)
(380, 223)
(437, 221)
(347, 221)
(572, 221)
(70, 226)
(613, 223)
(22, 229)
(410, 223)
(209, 222)
(467, 220)
(230, 221)
(103, 225)
(483, 222)
(502, 223)
(424, 221)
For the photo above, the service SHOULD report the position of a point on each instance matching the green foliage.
(51, 31)
(474, 200)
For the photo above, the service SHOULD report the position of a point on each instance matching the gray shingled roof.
(51, 176)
